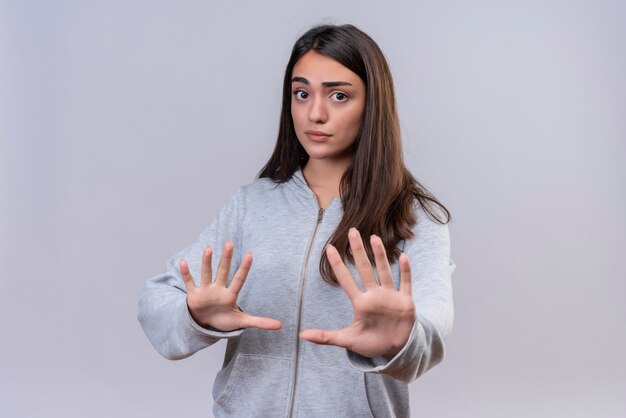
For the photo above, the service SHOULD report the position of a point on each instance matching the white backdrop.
(125, 125)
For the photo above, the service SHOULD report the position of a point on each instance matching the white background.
(125, 125)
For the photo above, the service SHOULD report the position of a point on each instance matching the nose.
(317, 110)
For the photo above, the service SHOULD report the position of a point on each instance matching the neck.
(324, 177)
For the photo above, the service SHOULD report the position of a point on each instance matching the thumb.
(249, 321)
(337, 338)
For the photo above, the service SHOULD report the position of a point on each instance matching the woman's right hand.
(215, 305)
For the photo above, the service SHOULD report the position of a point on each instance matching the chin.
(327, 157)
(325, 152)
(320, 155)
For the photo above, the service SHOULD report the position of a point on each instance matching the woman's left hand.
(383, 316)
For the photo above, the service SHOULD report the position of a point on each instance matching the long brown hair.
(377, 191)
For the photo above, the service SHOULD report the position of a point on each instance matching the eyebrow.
(324, 84)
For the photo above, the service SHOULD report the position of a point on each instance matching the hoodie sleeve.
(163, 312)
(432, 268)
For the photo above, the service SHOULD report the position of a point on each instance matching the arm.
(432, 268)
(166, 321)
(396, 332)
(170, 301)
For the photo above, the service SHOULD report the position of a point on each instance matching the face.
(327, 106)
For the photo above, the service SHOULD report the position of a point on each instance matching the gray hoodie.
(274, 373)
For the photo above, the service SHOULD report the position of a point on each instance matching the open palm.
(213, 304)
(383, 316)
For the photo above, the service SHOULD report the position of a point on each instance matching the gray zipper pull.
(320, 215)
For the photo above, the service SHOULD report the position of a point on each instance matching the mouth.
(317, 136)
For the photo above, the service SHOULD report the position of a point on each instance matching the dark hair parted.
(377, 191)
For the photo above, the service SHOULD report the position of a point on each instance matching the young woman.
(349, 297)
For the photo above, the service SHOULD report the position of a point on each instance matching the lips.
(317, 136)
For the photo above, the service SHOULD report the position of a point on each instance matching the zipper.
(320, 215)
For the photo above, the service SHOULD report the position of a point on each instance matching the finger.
(249, 321)
(382, 264)
(337, 338)
(361, 262)
(207, 271)
(224, 267)
(242, 273)
(187, 279)
(344, 277)
(405, 275)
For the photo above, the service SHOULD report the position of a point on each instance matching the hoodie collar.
(299, 183)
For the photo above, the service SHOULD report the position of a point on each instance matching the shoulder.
(263, 185)
(255, 190)
(245, 200)
(428, 232)
(257, 194)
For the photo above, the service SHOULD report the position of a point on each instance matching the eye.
(339, 96)
(301, 94)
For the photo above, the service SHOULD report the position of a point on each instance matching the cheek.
(296, 115)
(353, 122)
(298, 124)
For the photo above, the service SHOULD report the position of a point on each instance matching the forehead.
(318, 68)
